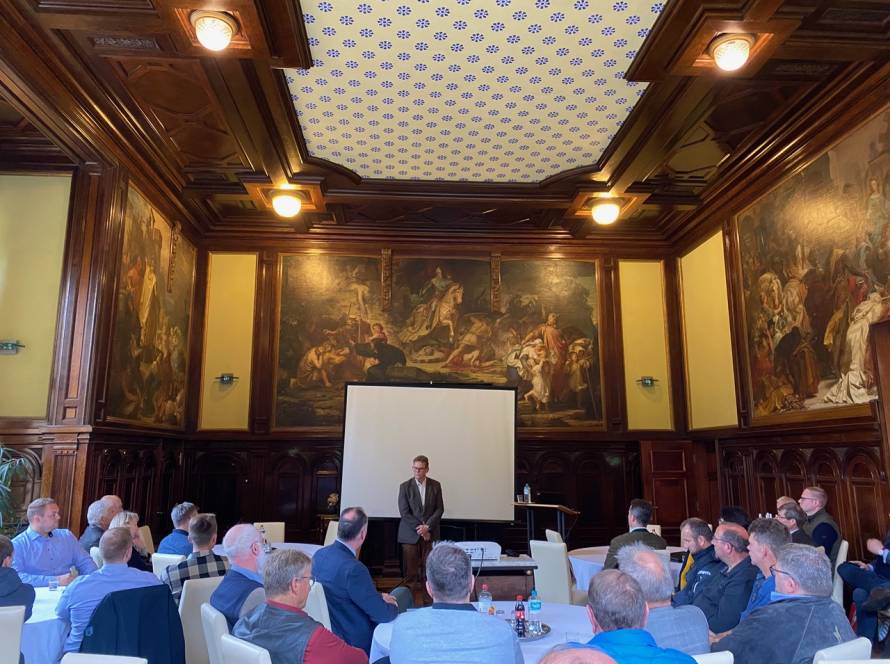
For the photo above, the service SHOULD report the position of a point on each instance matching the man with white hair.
(115, 503)
(683, 627)
(177, 542)
(241, 589)
(99, 515)
(801, 618)
(451, 630)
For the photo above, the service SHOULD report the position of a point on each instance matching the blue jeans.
(863, 581)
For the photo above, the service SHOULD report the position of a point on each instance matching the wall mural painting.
(815, 257)
(147, 377)
(438, 325)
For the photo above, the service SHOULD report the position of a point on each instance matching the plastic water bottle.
(485, 605)
(519, 612)
(534, 612)
(527, 493)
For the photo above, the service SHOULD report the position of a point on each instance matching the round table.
(308, 549)
(567, 623)
(43, 636)
(588, 561)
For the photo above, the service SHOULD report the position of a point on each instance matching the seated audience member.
(863, 578)
(701, 563)
(130, 521)
(355, 606)
(117, 505)
(801, 619)
(734, 514)
(201, 563)
(725, 596)
(241, 589)
(820, 525)
(683, 627)
(765, 538)
(77, 603)
(784, 500)
(281, 626)
(793, 518)
(177, 542)
(45, 551)
(617, 612)
(638, 515)
(566, 654)
(99, 515)
(12, 591)
(451, 630)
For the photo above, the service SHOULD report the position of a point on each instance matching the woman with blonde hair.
(130, 520)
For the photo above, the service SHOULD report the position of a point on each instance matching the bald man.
(569, 655)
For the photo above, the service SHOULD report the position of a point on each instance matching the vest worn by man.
(823, 518)
(285, 634)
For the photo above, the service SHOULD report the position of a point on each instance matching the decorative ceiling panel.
(468, 90)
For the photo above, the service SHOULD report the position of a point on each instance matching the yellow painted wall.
(228, 340)
(710, 380)
(33, 217)
(644, 335)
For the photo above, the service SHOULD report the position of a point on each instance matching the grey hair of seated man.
(182, 513)
(282, 567)
(449, 573)
(116, 545)
(650, 570)
(807, 566)
(97, 513)
(615, 601)
(239, 539)
(566, 654)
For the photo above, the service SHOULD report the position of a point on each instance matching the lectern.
(561, 511)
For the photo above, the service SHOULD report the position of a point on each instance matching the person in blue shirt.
(80, 599)
(177, 542)
(765, 538)
(44, 551)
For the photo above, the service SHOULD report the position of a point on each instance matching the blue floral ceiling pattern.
(467, 90)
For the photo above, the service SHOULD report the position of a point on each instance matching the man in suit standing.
(421, 508)
(638, 515)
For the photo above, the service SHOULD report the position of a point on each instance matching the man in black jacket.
(701, 562)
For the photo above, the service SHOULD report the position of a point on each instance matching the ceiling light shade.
(286, 204)
(731, 51)
(214, 29)
(605, 212)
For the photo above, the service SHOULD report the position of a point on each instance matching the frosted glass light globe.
(732, 54)
(605, 213)
(214, 29)
(286, 205)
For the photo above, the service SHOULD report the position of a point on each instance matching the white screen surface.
(467, 433)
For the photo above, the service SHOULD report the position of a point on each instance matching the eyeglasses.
(775, 570)
(420, 468)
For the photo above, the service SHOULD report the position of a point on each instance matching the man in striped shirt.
(202, 563)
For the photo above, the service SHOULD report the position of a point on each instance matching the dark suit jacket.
(355, 606)
(634, 536)
(413, 514)
(800, 537)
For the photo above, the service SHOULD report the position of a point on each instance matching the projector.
(481, 550)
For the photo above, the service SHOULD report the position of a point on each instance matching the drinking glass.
(53, 584)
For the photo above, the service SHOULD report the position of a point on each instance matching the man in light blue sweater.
(451, 630)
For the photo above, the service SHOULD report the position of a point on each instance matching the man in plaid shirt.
(202, 563)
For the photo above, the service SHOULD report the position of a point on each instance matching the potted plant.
(10, 467)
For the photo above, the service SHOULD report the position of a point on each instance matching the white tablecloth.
(587, 562)
(567, 623)
(43, 636)
(308, 549)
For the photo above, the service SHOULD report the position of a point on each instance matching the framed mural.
(409, 319)
(815, 262)
(149, 349)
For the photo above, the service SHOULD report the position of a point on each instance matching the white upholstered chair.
(86, 658)
(147, 539)
(553, 578)
(236, 651)
(11, 620)
(96, 556)
(195, 592)
(331, 533)
(215, 627)
(317, 605)
(274, 530)
(722, 657)
(856, 649)
(161, 561)
(654, 528)
(837, 592)
(553, 536)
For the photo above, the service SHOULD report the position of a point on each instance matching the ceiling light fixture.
(214, 29)
(605, 212)
(731, 51)
(286, 204)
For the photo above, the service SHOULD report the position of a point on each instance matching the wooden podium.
(561, 511)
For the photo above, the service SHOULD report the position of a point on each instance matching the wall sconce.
(214, 29)
(10, 347)
(647, 381)
(226, 379)
(731, 51)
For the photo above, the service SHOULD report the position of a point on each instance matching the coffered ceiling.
(452, 117)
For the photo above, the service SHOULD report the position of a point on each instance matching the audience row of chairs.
(857, 651)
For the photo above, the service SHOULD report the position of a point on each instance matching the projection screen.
(467, 432)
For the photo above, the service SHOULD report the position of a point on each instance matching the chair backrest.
(161, 561)
(552, 579)
(87, 658)
(215, 627)
(195, 592)
(236, 651)
(856, 649)
(654, 528)
(331, 533)
(722, 657)
(147, 539)
(274, 530)
(317, 605)
(861, 661)
(837, 592)
(11, 620)
(96, 556)
(553, 536)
